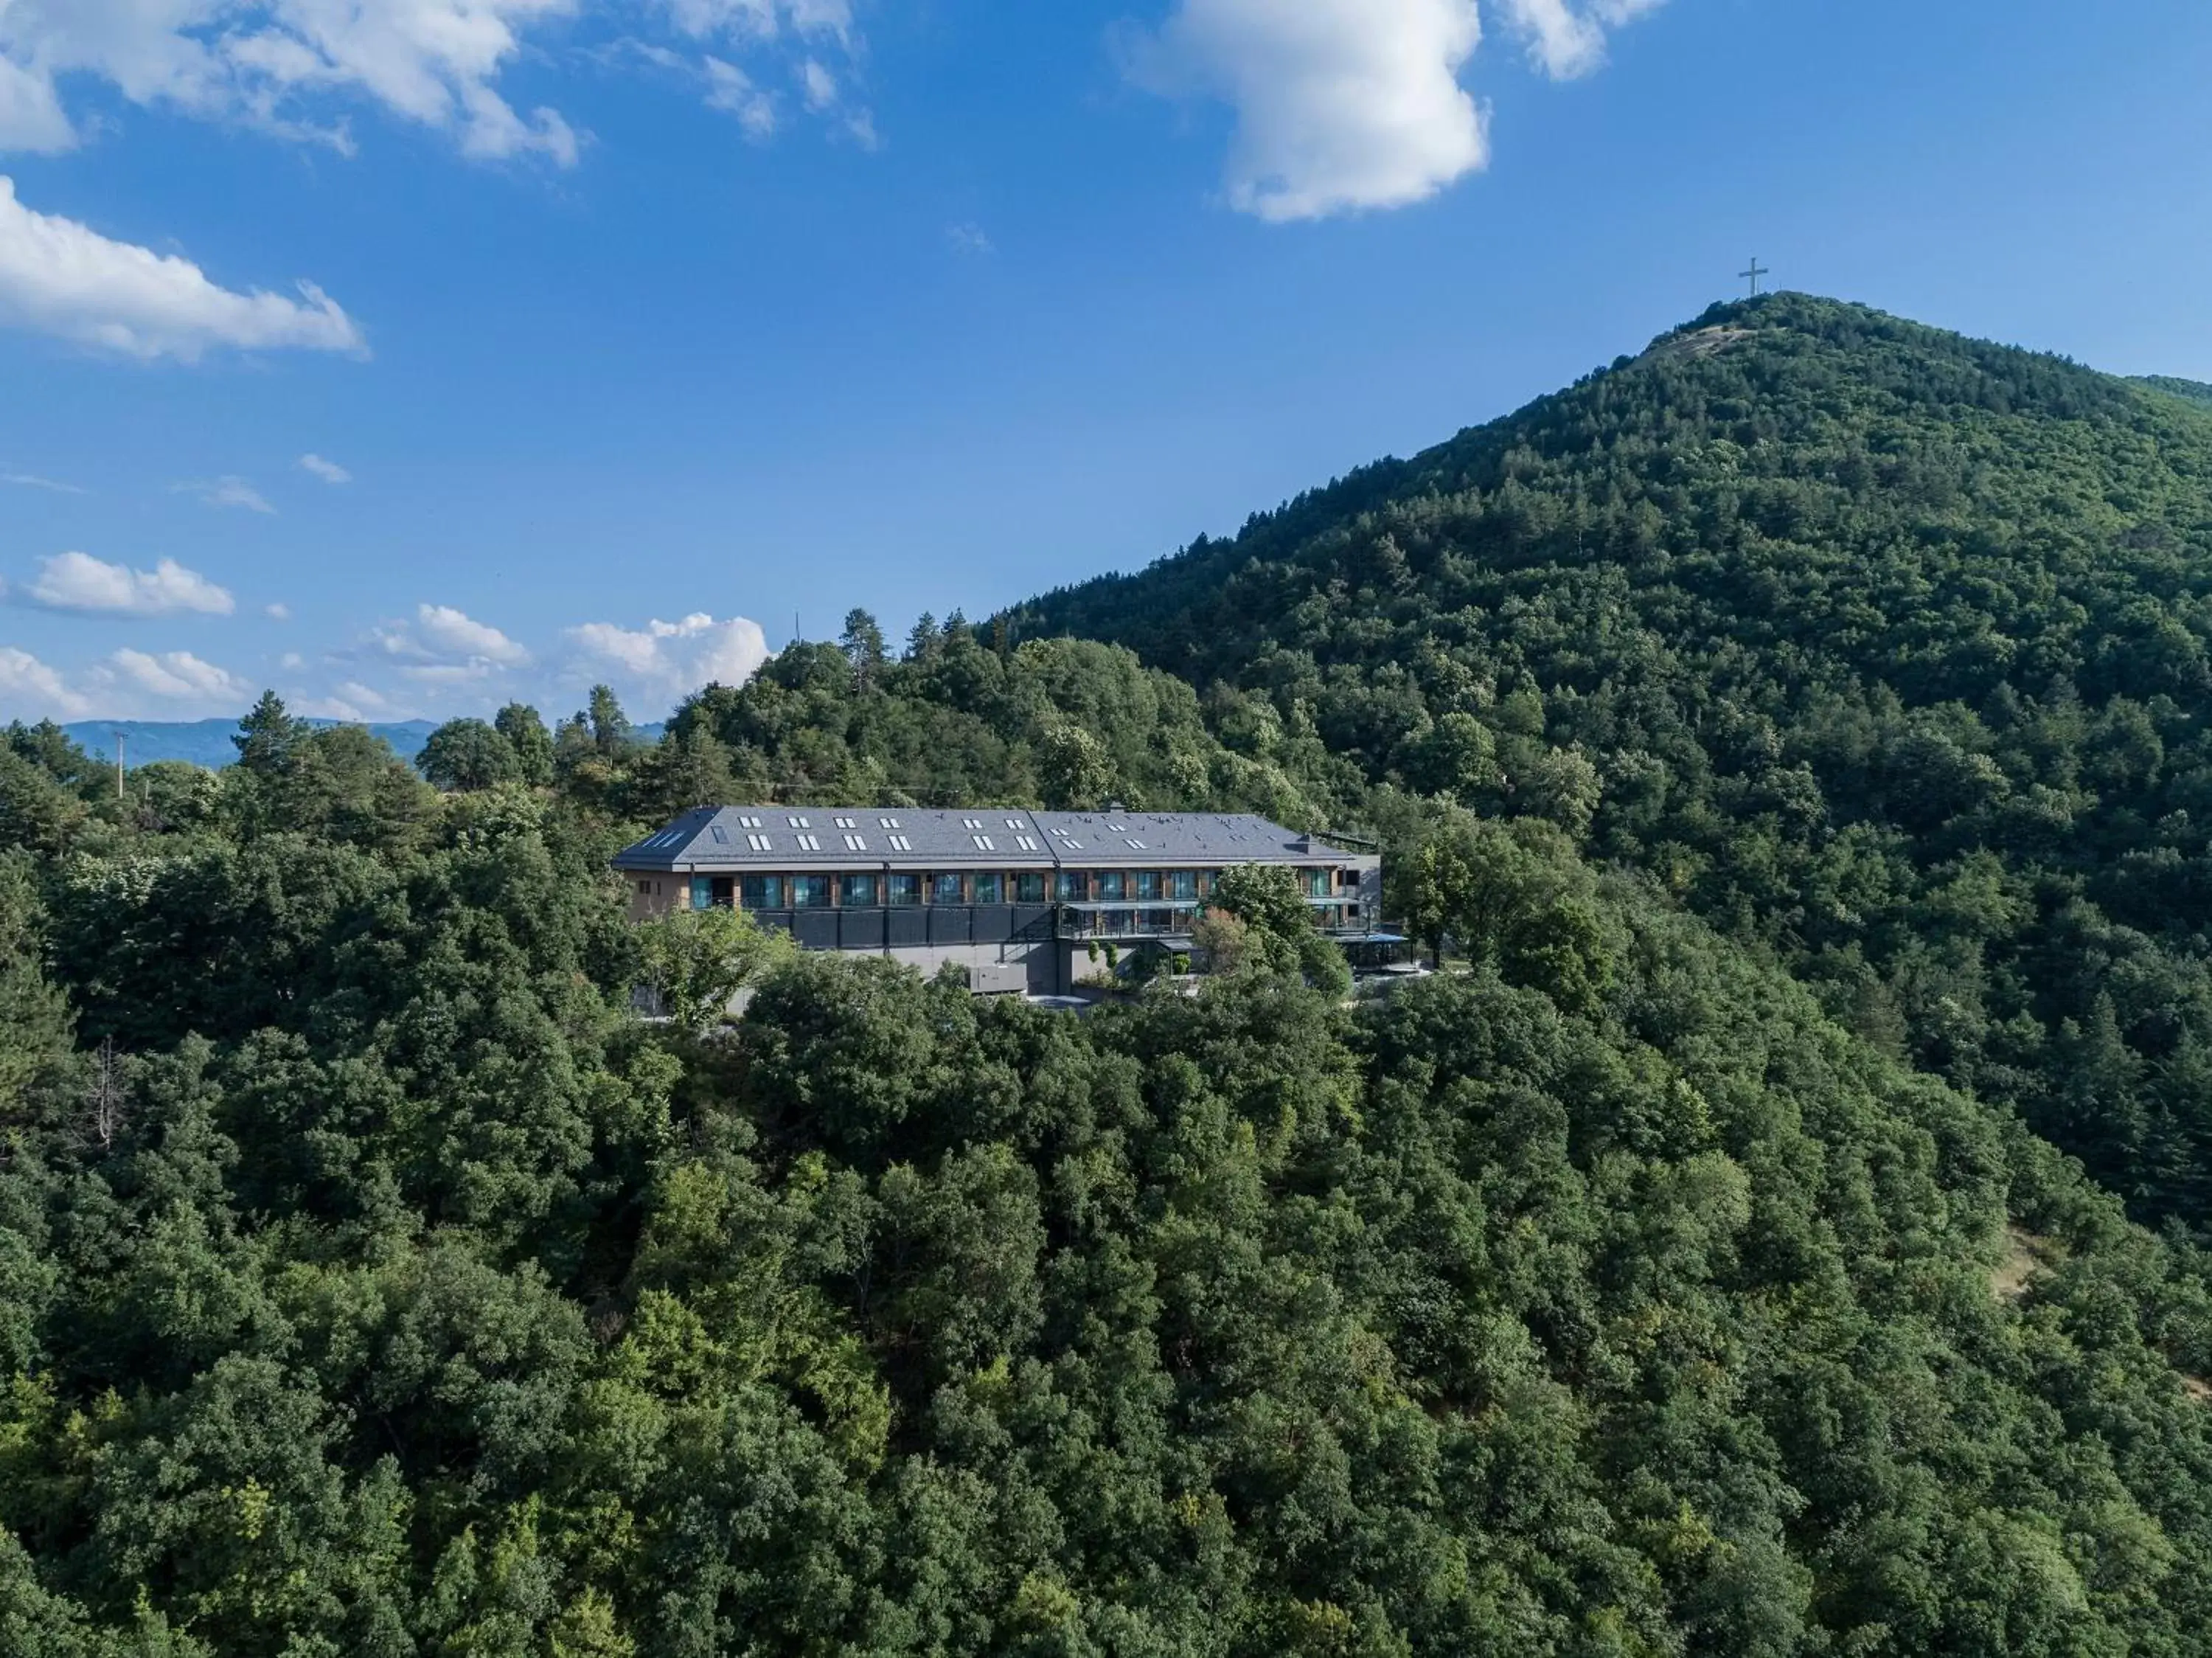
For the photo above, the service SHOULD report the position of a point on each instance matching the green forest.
(1779, 1231)
(1884, 651)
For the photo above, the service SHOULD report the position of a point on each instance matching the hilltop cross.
(1755, 273)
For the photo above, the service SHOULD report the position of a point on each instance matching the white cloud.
(1344, 105)
(58, 276)
(659, 664)
(731, 90)
(1340, 104)
(277, 613)
(970, 238)
(28, 686)
(260, 61)
(447, 646)
(329, 471)
(819, 85)
(300, 69)
(226, 491)
(178, 676)
(77, 580)
(351, 701)
(1565, 41)
(292, 661)
(453, 631)
(32, 481)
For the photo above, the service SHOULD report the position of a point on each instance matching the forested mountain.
(2195, 391)
(371, 1282)
(1884, 651)
(1797, 732)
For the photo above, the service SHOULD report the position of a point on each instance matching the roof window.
(808, 844)
(759, 843)
(856, 843)
(983, 844)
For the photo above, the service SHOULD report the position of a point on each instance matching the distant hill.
(207, 742)
(1886, 650)
(2195, 390)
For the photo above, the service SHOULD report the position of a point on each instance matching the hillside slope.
(384, 1288)
(1883, 648)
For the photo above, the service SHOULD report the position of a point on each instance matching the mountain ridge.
(1885, 649)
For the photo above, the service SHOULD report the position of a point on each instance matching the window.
(800, 823)
(889, 823)
(1183, 884)
(990, 889)
(1013, 823)
(1072, 885)
(1074, 845)
(1112, 885)
(1028, 889)
(809, 892)
(762, 892)
(945, 889)
(1148, 885)
(644, 889)
(808, 843)
(749, 823)
(845, 823)
(901, 843)
(759, 843)
(1316, 883)
(902, 892)
(1117, 828)
(971, 823)
(856, 843)
(983, 844)
(1027, 842)
(858, 892)
(725, 892)
(722, 835)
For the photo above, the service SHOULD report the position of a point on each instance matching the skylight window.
(1117, 828)
(856, 843)
(749, 823)
(721, 836)
(1075, 846)
(971, 823)
(901, 843)
(1134, 842)
(983, 844)
(759, 843)
(1013, 823)
(808, 844)
(848, 823)
(889, 823)
(1026, 843)
(800, 823)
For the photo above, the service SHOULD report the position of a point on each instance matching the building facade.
(1018, 898)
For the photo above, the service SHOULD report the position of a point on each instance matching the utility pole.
(119, 765)
(1755, 274)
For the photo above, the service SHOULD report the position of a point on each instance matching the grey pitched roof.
(1096, 838)
(732, 838)
(841, 837)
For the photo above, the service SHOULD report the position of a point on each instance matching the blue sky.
(632, 330)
